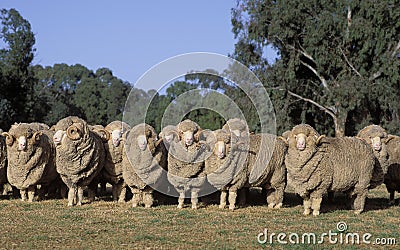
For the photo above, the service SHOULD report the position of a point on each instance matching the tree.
(16, 78)
(335, 56)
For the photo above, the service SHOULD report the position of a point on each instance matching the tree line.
(338, 70)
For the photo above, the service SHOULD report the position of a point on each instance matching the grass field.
(108, 225)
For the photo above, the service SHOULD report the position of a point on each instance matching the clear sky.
(126, 36)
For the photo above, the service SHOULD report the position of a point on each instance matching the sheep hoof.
(358, 211)
(180, 206)
(79, 204)
(279, 205)
(307, 212)
(232, 207)
(271, 205)
(147, 206)
(315, 213)
(222, 206)
(194, 206)
(134, 204)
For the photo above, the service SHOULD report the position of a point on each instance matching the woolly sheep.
(31, 159)
(144, 163)
(376, 137)
(266, 166)
(114, 148)
(168, 134)
(226, 167)
(316, 165)
(79, 157)
(392, 177)
(186, 162)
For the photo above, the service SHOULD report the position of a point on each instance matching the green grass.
(107, 225)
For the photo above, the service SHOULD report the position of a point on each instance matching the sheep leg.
(42, 192)
(116, 191)
(92, 192)
(31, 193)
(232, 199)
(359, 202)
(79, 196)
(181, 199)
(391, 197)
(24, 194)
(122, 193)
(271, 198)
(316, 205)
(194, 199)
(307, 205)
(72, 196)
(148, 198)
(222, 200)
(136, 198)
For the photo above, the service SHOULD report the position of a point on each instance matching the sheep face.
(301, 141)
(188, 137)
(116, 136)
(58, 137)
(142, 142)
(376, 143)
(220, 149)
(22, 143)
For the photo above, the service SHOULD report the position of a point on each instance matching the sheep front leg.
(24, 194)
(148, 198)
(232, 200)
(79, 196)
(222, 200)
(72, 196)
(122, 194)
(316, 205)
(391, 197)
(307, 205)
(181, 199)
(194, 199)
(116, 191)
(137, 196)
(359, 202)
(31, 193)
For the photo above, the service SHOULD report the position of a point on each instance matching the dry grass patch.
(104, 224)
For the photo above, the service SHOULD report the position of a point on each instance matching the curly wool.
(230, 172)
(392, 177)
(236, 124)
(112, 171)
(186, 163)
(36, 164)
(334, 165)
(79, 161)
(143, 168)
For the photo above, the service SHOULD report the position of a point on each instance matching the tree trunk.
(340, 123)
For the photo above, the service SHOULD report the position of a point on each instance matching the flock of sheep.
(70, 156)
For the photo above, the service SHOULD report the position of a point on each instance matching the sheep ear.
(105, 135)
(284, 140)
(319, 139)
(389, 138)
(198, 136)
(37, 135)
(53, 128)
(9, 138)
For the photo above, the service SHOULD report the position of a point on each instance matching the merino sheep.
(168, 134)
(31, 159)
(226, 167)
(144, 163)
(186, 162)
(236, 126)
(376, 137)
(317, 164)
(80, 157)
(392, 177)
(266, 163)
(112, 171)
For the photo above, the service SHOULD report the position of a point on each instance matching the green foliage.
(16, 78)
(341, 55)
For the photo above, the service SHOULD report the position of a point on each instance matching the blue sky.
(128, 37)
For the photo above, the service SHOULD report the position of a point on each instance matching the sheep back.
(266, 160)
